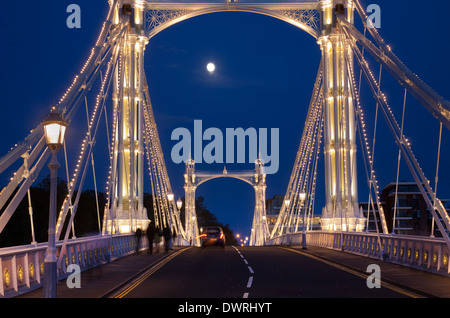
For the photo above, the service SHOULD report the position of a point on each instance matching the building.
(273, 208)
(410, 215)
(372, 216)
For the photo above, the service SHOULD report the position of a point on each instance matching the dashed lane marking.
(250, 281)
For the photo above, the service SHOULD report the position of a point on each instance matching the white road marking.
(250, 281)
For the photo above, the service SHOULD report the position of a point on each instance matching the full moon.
(210, 67)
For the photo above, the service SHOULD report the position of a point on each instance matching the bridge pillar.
(190, 185)
(127, 209)
(260, 230)
(341, 210)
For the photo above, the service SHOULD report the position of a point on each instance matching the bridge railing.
(22, 267)
(424, 253)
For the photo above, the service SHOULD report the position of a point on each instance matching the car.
(212, 235)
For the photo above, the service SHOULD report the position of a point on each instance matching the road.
(251, 272)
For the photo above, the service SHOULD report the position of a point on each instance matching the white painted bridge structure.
(335, 126)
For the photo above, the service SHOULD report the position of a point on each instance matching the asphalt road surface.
(243, 272)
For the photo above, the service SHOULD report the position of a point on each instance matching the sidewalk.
(98, 281)
(428, 283)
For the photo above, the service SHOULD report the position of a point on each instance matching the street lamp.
(54, 130)
(302, 196)
(302, 201)
(287, 202)
(179, 204)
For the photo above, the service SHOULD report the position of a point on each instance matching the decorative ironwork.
(310, 18)
(155, 18)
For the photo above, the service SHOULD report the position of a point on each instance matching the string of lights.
(291, 209)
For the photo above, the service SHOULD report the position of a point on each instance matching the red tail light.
(221, 235)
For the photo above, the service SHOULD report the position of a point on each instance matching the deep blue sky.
(265, 73)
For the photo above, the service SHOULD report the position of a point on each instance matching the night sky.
(265, 72)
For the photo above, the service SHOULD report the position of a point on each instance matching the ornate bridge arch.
(159, 16)
(256, 178)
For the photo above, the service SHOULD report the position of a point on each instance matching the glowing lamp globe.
(302, 196)
(54, 129)
(287, 202)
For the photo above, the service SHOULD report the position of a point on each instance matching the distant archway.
(256, 178)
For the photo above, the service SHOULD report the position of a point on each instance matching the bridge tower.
(190, 185)
(341, 210)
(260, 229)
(127, 208)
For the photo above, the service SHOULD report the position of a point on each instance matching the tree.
(18, 229)
(206, 218)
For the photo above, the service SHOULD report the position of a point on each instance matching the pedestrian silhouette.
(157, 239)
(174, 236)
(167, 238)
(138, 239)
(150, 236)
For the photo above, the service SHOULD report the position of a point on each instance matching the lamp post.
(179, 204)
(170, 197)
(302, 202)
(287, 202)
(54, 130)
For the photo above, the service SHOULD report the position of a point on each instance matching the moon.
(210, 67)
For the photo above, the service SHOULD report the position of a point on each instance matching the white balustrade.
(424, 253)
(22, 267)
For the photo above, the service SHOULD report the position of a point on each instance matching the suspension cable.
(92, 163)
(375, 129)
(411, 160)
(398, 166)
(436, 177)
(68, 185)
(302, 164)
